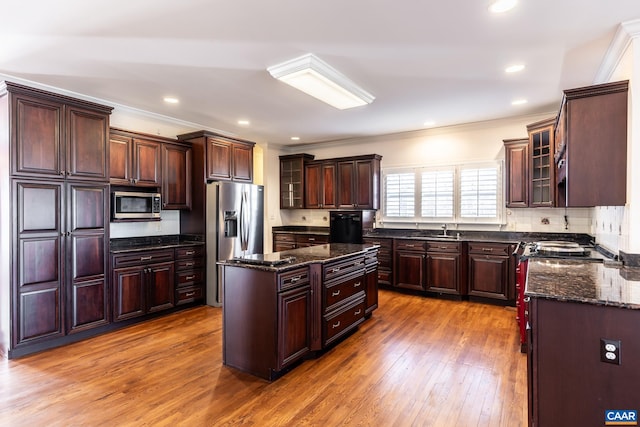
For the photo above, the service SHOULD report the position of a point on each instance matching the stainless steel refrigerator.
(235, 228)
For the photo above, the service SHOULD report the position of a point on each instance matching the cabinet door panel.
(410, 267)
(87, 142)
(517, 182)
(88, 304)
(89, 207)
(87, 256)
(294, 325)
(346, 173)
(161, 286)
(488, 276)
(442, 273)
(147, 158)
(364, 185)
(120, 152)
(39, 261)
(128, 293)
(313, 186)
(39, 206)
(40, 314)
(329, 186)
(176, 177)
(218, 159)
(242, 163)
(38, 126)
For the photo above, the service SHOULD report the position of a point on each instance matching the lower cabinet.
(444, 268)
(371, 281)
(410, 264)
(491, 273)
(143, 282)
(294, 322)
(385, 259)
(190, 277)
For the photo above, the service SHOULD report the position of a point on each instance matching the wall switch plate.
(610, 351)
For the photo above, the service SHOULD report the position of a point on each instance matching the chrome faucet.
(444, 229)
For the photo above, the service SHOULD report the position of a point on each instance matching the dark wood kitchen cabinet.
(359, 182)
(542, 182)
(292, 180)
(190, 274)
(410, 264)
(176, 176)
(136, 159)
(491, 273)
(385, 258)
(371, 281)
(283, 241)
(592, 142)
(143, 282)
(54, 184)
(517, 172)
(320, 185)
(445, 268)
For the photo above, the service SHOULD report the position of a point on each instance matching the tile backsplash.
(169, 224)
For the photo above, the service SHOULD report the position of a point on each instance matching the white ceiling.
(422, 60)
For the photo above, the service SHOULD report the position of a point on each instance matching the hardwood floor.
(417, 362)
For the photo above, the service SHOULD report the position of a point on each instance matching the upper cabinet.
(58, 137)
(591, 135)
(359, 182)
(292, 171)
(517, 179)
(320, 185)
(176, 176)
(227, 159)
(135, 159)
(541, 167)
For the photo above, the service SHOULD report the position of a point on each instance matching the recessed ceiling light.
(501, 6)
(295, 138)
(519, 102)
(514, 68)
(429, 123)
(243, 122)
(171, 100)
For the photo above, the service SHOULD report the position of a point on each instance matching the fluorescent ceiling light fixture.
(171, 100)
(243, 122)
(315, 77)
(519, 102)
(295, 138)
(501, 6)
(514, 68)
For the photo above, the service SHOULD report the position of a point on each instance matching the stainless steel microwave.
(135, 205)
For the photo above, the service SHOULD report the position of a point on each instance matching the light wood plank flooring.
(417, 362)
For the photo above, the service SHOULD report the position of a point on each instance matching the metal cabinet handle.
(357, 312)
(146, 258)
(336, 293)
(335, 325)
(190, 252)
(487, 249)
(190, 277)
(355, 285)
(335, 270)
(295, 279)
(527, 299)
(410, 246)
(311, 239)
(188, 264)
(189, 294)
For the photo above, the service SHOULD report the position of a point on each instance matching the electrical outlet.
(610, 351)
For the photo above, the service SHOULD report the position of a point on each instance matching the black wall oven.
(345, 226)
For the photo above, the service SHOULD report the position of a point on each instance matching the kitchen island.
(584, 344)
(280, 308)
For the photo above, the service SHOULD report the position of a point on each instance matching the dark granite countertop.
(584, 282)
(477, 236)
(131, 244)
(319, 254)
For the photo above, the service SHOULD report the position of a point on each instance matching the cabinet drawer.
(498, 249)
(444, 247)
(190, 277)
(280, 247)
(340, 268)
(338, 323)
(142, 258)
(384, 243)
(411, 245)
(293, 278)
(189, 263)
(384, 276)
(191, 251)
(310, 240)
(189, 294)
(284, 237)
(334, 295)
(385, 259)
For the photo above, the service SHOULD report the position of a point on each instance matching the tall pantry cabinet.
(54, 218)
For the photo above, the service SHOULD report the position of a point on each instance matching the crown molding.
(626, 33)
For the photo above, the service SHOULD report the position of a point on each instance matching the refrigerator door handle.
(244, 222)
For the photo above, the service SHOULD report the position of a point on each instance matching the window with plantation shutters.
(469, 193)
(399, 199)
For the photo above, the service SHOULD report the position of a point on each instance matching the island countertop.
(309, 255)
(584, 282)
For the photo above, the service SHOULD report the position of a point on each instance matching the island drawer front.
(141, 258)
(340, 321)
(190, 277)
(385, 243)
(453, 247)
(284, 237)
(312, 240)
(340, 268)
(191, 293)
(191, 251)
(371, 257)
(498, 249)
(335, 294)
(183, 264)
(293, 278)
(411, 245)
